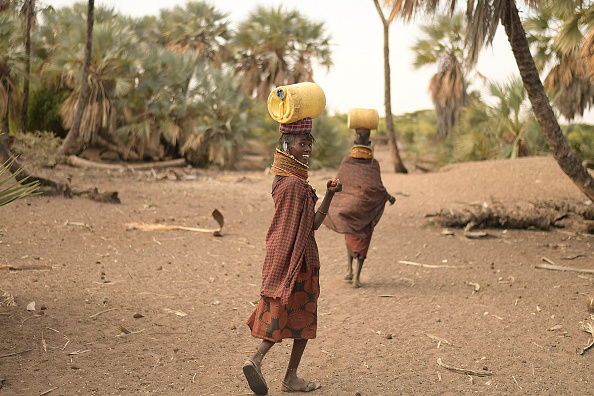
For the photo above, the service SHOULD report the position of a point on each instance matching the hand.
(334, 185)
(392, 199)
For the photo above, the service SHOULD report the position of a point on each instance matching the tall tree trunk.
(398, 165)
(29, 8)
(72, 143)
(5, 127)
(541, 106)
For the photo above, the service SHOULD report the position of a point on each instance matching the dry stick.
(48, 391)
(438, 339)
(15, 353)
(26, 267)
(463, 371)
(552, 266)
(102, 312)
(428, 265)
(79, 352)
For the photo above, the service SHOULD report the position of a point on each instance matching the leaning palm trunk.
(71, 144)
(398, 165)
(545, 116)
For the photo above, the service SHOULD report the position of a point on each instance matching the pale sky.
(357, 77)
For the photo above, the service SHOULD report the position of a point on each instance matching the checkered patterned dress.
(290, 274)
(359, 207)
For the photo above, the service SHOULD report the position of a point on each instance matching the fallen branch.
(428, 265)
(95, 195)
(83, 163)
(463, 371)
(163, 227)
(553, 267)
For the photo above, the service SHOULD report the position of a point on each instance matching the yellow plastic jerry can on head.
(363, 118)
(291, 103)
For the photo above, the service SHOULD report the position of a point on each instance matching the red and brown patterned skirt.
(298, 319)
(358, 247)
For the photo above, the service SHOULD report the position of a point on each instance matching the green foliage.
(443, 46)
(224, 120)
(581, 140)
(506, 129)
(333, 138)
(37, 148)
(199, 27)
(43, 113)
(12, 62)
(10, 189)
(277, 47)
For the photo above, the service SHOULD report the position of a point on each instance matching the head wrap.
(363, 131)
(300, 127)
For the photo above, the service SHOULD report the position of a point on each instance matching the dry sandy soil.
(121, 311)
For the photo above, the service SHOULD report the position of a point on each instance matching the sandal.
(308, 387)
(254, 378)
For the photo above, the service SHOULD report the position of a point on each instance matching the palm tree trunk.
(398, 165)
(5, 127)
(72, 144)
(540, 102)
(29, 7)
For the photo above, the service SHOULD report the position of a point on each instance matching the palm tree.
(198, 27)
(160, 108)
(398, 164)
(225, 119)
(555, 35)
(505, 129)
(483, 19)
(443, 46)
(112, 70)
(277, 47)
(71, 143)
(12, 64)
(29, 13)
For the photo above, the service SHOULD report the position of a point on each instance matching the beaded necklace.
(361, 151)
(285, 164)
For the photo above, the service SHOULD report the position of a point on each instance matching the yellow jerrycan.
(291, 103)
(362, 118)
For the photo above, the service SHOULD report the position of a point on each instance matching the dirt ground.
(121, 311)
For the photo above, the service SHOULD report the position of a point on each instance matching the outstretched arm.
(333, 186)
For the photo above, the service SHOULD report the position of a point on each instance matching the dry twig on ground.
(463, 371)
(428, 265)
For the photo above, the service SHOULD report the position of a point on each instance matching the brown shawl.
(360, 205)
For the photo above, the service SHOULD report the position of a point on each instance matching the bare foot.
(348, 277)
(356, 284)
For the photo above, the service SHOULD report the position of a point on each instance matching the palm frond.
(10, 189)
